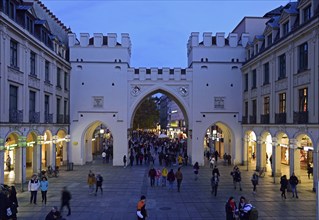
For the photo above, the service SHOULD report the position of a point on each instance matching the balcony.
(48, 118)
(280, 118)
(16, 116)
(60, 119)
(244, 120)
(34, 117)
(252, 119)
(300, 117)
(264, 119)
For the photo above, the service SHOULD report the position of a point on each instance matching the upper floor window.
(266, 105)
(46, 104)
(13, 100)
(246, 108)
(254, 79)
(32, 63)
(32, 101)
(282, 102)
(47, 72)
(66, 81)
(58, 107)
(29, 24)
(306, 13)
(266, 73)
(9, 9)
(303, 56)
(246, 82)
(13, 53)
(303, 100)
(44, 37)
(285, 28)
(282, 66)
(256, 48)
(254, 107)
(269, 40)
(58, 77)
(248, 54)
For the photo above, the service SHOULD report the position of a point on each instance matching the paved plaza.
(124, 186)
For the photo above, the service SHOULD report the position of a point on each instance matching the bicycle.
(262, 172)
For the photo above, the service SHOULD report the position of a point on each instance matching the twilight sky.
(159, 30)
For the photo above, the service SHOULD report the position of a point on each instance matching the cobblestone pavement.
(124, 186)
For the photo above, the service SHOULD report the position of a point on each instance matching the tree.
(147, 114)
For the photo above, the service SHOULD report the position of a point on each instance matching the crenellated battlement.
(99, 40)
(166, 74)
(219, 40)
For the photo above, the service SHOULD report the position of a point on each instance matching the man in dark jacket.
(152, 174)
(293, 183)
(65, 200)
(99, 182)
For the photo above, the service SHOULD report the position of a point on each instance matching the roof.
(40, 21)
(291, 8)
(274, 12)
(24, 7)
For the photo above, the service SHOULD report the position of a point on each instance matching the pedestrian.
(180, 160)
(310, 169)
(196, 168)
(283, 186)
(8, 163)
(141, 209)
(13, 201)
(215, 170)
(91, 181)
(212, 162)
(33, 187)
(254, 181)
(244, 208)
(171, 179)
(124, 161)
(54, 214)
(158, 176)
(236, 177)
(179, 178)
(231, 209)
(270, 160)
(131, 159)
(225, 159)
(44, 184)
(293, 183)
(99, 182)
(65, 200)
(104, 156)
(152, 175)
(164, 176)
(214, 183)
(229, 159)
(216, 154)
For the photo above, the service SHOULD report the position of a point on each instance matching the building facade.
(281, 91)
(34, 90)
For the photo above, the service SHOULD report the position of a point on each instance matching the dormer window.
(285, 28)
(306, 14)
(256, 48)
(29, 25)
(269, 40)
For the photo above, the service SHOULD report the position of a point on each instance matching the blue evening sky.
(159, 30)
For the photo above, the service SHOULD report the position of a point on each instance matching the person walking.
(215, 170)
(283, 186)
(44, 184)
(8, 163)
(152, 175)
(33, 187)
(65, 200)
(104, 156)
(214, 183)
(236, 177)
(244, 208)
(293, 183)
(171, 179)
(141, 209)
(12, 198)
(164, 176)
(196, 168)
(158, 176)
(254, 181)
(179, 178)
(91, 181)
(99, 182)
(131, 160)
(124, 161)
(230, 209)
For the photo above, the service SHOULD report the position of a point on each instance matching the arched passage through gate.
(98, 138)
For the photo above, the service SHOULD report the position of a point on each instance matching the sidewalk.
(124, 186)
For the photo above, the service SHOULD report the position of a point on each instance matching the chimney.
(111, 39)
(98, 39)
(84, 39)
(207, 38)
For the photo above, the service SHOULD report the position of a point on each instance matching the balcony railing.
(66, 119)
(244, 120)
(34, 117)
(60, 119)
(15, 116)
(48, 118)
(300, 117)
(264, 119)
(280, 118)
(252, 119)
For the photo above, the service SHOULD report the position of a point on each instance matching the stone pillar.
(20, 165)
(245, 150)
(52, 154)
(294, 158)
(1, 166)
(88, 147)
(315, 170)
(276, 157)
(262, 152)
(259, 155)
(36, 160)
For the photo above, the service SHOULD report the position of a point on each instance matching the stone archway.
(12, 159)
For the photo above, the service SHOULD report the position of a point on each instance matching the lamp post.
(22, 141)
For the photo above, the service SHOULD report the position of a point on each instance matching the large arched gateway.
(106, 91)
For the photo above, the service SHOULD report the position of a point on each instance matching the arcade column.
(294, 158)
(1, 160)
(276, 157)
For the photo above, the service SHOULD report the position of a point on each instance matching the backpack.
(253, 214)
